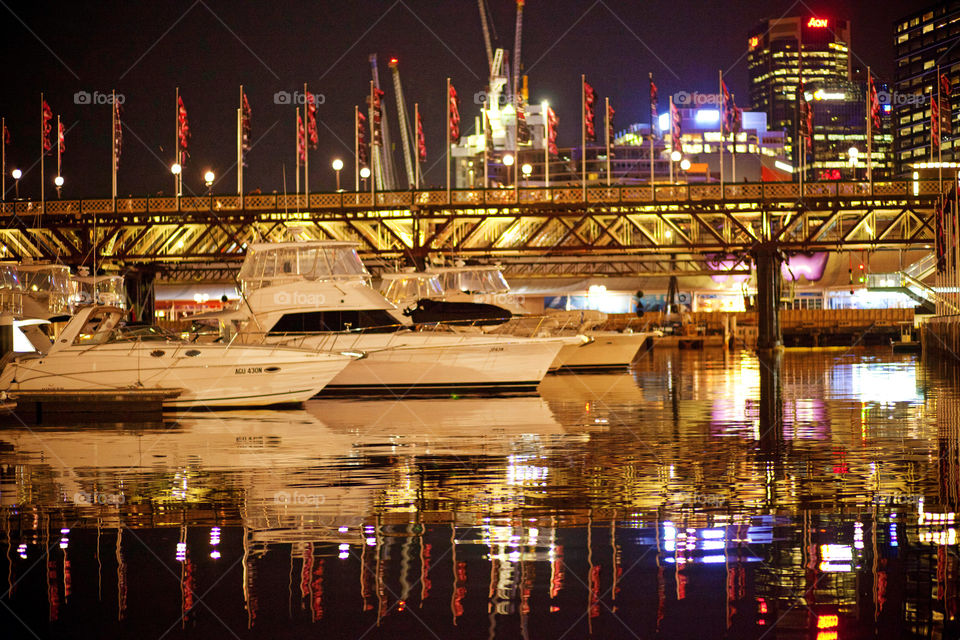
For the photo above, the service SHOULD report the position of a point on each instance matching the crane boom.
(402, 121)
(516, 50)
(386, 179)
(486, 34)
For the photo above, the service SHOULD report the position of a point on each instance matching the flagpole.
(3, 160)
(583, 136)
(176, 148)
(722, 140)
(673, 142)
(306, 144)
(297, 137)
(113, 151)
(356, 148)
(869, 133)
(58, 150)
(939, 140)
(240, 148)
(374, 156)
(416, 160)
(43, 152)
(446, 101)
(606, 102)
(486, 132)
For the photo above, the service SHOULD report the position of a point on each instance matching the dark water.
(702, 495)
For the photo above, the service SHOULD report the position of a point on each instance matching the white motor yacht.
(95, 352)
(486, 285)
(318, 295)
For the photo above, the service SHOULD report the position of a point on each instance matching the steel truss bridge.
(639, 230)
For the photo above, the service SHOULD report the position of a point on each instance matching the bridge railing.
(468, 198)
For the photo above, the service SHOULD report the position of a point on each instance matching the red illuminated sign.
(754, 41)
(818, 23)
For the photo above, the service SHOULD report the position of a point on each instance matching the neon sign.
(818, 23)
(754, 41)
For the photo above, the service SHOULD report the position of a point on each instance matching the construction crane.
(486, 34)
(516, 51)
(386, 179)
(402, 122)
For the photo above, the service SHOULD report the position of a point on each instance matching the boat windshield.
(473, 280)
(52, 280)
(9, 277)
(268, 265)
(108, 290)
(101, 330)
(411, 287)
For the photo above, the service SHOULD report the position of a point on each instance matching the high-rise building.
(925, 41)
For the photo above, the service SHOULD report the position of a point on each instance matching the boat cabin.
(473, 279)
(404, 289)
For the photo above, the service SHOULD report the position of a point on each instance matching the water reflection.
(706, 494)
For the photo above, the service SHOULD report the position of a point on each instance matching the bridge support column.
(768, 262)
(6, 334)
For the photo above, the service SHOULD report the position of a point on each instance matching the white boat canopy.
(471, 279)
(268, 264)
(409, 287)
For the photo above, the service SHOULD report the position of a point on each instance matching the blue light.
(664, 122)
(707, 116)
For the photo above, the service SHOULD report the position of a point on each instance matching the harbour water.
(702, 495)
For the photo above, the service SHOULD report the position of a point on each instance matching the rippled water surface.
(701, 495)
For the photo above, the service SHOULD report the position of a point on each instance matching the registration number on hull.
(242, 370)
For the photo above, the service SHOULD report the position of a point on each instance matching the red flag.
(454, 110)
(312, 120)
(183, 130)
(589, 98)
(654, 118)
(934, 122)
(6, 134)
(301, 139)
(60, 137)
(47, 116)
(421, 141)
(675, 125)
(117, 133)
(245, 124)
(731, 117)
(610, 112)
(552, 122)
(946, 112)
(523, 130)
(377, 111)
(362, 139)
(874, 104)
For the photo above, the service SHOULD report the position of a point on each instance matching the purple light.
(808, 265)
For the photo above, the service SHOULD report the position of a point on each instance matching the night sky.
(209, 47)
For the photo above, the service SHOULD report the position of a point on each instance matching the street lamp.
(685, 164)
(508, 162)
(853, 154)
(337, 166)
(208, 178)
(16, 174)
(676, 156)
(364, 174)
(176, 170)
(58, 183)
(526, 169)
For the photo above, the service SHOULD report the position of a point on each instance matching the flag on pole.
(523, 129)
(589, 98)
(488, 129)
(183, 131)
(732, 116)
(421, 141)
(301, 139)
(934, 122)
(610, 112)
(874, 104)
(312, 136)
(676, 130)
(61, 134)
(552, 122)
(6, 134)
(946, 112)
(377, 109)
(454, 109)
(361, 139)
(117, 133)
(653, 107)
(245, 125)
(940, 237)
(805, 124)
(47, 115)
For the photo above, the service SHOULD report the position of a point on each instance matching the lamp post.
(364, 174)
(208, 179)
(853, 154)
(58, 183)
(526, 169)
(16, 174)
(175, 169)
(508, 160)
(337, 166)
(675, 156)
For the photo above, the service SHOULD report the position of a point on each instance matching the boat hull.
(608, 350)
(208, 375)
(439, 363)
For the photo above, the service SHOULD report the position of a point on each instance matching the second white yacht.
(318, 295)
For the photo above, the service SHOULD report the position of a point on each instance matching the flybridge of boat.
(48, 284)
(471, 279)
(403, 288)
(269, 264)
